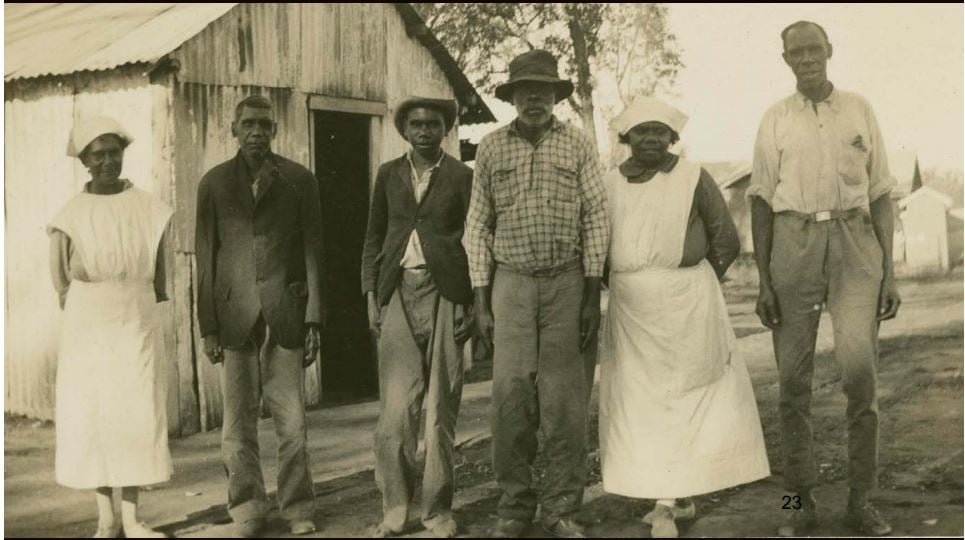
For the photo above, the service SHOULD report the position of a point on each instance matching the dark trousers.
(837, 262)
(539, 384)
(263, 369)
(419, 363)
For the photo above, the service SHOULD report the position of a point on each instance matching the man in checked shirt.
(536, 237)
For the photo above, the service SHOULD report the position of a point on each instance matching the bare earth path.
(921, 399)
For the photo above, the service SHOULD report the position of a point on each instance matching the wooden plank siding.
(298, 55)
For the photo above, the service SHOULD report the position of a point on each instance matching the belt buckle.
(822, 216)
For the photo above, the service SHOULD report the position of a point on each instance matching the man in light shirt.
(415, 276)
(823, 224)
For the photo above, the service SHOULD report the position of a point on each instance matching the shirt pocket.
(853, 157)
(504, 188)
(563, 186)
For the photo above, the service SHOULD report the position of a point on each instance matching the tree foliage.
(628, 47)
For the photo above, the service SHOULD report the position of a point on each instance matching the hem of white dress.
(749, 471)
(114, 483)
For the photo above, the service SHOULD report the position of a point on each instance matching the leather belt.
(826, 215)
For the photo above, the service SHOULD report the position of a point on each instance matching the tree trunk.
(584, 84)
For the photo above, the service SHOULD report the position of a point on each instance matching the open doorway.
(348, 370)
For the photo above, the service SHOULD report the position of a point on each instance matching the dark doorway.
(349, 370)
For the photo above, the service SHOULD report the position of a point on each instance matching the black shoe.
(510, 528)
(866, 520)
(564, 528)
(800, 523)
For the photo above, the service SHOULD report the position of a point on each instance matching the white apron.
(111, 419)
(678, 416)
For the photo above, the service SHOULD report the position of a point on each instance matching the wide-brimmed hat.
(649, 109)
(536, 65)
(448, 107)
(85, 131)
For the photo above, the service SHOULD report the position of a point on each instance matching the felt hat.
(447, 107)
(536, 65)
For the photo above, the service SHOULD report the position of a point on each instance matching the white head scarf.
(649, 109)
(86, 130)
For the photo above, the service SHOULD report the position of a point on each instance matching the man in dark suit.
(415, 277)
(260, 305)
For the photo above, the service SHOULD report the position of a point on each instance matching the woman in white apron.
(110, 419)
(677, 411)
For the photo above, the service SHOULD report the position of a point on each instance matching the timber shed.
(172, 74)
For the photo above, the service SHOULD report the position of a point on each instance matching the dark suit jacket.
(439, 218)
(259, 256)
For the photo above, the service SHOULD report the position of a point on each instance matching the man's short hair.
(254, 102)
(802, 24)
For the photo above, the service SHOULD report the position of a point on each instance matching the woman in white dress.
(110, 418)
(677, 411)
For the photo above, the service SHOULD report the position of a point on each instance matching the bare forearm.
(481, 297)
(883, 221)
(762, 230)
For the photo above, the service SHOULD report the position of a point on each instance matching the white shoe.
(682, 513)
(108, 532)
(662, 522)
(141, 530)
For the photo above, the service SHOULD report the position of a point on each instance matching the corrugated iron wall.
(39, 180)
(182, 121)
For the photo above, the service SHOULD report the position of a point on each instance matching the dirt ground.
(921, 453)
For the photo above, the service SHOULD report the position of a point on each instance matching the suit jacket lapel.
(439, 172)
(242, 184)
(405, 176)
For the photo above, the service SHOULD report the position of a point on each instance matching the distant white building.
(932, 232)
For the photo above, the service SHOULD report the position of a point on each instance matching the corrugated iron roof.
(475, 110)
(57, 39)
(726, 173)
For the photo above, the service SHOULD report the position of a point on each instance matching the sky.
(906, 59)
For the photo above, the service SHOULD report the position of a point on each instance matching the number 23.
(788, 500)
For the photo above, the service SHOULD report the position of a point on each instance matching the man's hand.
(464, 324)
(767, 308)
(889, 300)
(590, 312)
(375, 314)
(212, 349)
(313, 341)
(483, 316)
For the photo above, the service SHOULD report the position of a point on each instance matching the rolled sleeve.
(880, 180)
(767, 159)
(595, 231)
(480, 221)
